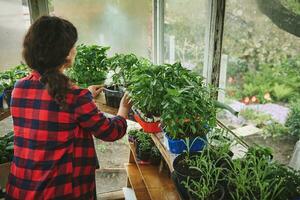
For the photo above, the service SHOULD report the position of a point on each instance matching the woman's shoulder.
(77, 92)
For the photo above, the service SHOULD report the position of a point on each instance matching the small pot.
(113, 96)
(178, 146)
(142, 155)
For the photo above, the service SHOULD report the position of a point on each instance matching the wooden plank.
(4, 113)
(136, 182)
(168, 157)
(159, 185)
(115, 195)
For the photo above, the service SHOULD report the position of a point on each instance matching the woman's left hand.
(95, 90)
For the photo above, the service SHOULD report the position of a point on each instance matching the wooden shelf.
(136, 181)
(158, 184)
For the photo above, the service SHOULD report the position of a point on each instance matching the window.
(185, 24)
(14, 21)
(263, 72)
(125, 26)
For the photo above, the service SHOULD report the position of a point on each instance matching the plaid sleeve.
(94, 121)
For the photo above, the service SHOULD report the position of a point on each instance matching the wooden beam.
(213, 43)
(218, 38)
(37, 8)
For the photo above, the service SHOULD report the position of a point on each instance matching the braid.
(58, 85)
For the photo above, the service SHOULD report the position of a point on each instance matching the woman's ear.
(71, 57)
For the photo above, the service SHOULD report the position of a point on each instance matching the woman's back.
(54, 155)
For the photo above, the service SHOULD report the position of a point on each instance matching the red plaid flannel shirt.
(54, 153)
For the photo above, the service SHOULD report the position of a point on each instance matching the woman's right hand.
(125, 105)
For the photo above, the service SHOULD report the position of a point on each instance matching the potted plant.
(149, 85)
(188, 113)
(255, 177)
(89, 68)
(6, 155)
(207, 187)
(120, 66)
(185, 165)
(144, 145)
(146, 91)
(250, 178)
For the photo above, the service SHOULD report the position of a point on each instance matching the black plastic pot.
(155, 160)
(113, 96)
(142, 155)
(182, 173)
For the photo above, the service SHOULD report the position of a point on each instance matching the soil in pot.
(113, 96)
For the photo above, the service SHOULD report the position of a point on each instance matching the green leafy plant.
(208, 185)
(249, 179)
(134, 133)
(150, 84)
(280, 80)
(293, 120)
(88, 67)
(275, 129)
(144, 141)
(258, 118)
(260, 152)
(146, 89)
(9, 77)
(188, 112)
(122, 66)
(6, 147)
(289, 179)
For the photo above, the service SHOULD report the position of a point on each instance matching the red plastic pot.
(148, 127)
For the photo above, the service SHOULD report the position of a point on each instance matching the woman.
(54, 120)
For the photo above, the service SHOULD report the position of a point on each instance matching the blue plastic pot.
(178, 146)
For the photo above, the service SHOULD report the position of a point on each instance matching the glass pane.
(126, 26)
(14, 21)
(185, 27)
(261, 57)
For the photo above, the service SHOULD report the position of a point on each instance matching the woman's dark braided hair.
(45, 49)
